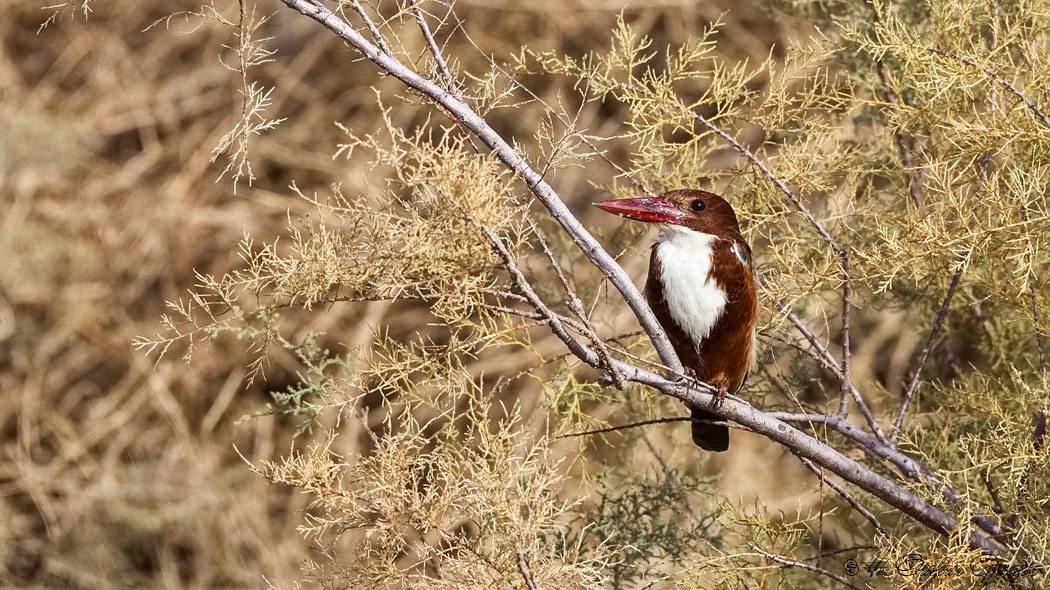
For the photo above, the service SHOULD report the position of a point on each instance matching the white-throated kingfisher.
(701, 288)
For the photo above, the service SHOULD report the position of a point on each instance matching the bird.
(701, 289)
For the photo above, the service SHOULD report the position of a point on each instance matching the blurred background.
(118, 470)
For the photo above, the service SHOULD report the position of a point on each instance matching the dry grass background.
(115, 472)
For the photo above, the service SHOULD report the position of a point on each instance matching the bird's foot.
(720, 395)
(689, 375)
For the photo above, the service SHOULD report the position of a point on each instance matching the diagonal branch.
(769, 425)
(513, 160)
(927, 346)
(847, 497)
(576, 306)
(829, 363)
(435, 51)
(526, 574)
(844, 382)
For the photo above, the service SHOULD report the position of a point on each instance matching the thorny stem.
(927, 346)
(692, 393)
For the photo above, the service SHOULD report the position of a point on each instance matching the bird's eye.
(697, 206)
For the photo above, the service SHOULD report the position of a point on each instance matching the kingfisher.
(701, 287)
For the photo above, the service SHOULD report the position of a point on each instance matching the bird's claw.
(688, 375)
(720, 395)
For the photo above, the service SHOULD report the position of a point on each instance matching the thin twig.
(927, 346)
(650, 423)
(576, 306)
(376, 33)
(844, 382)
(1033, 302)
(435, 51)
(594, 149)
(553, 319)
(847, 497)
(808, 566)
(834, 367)
(1001, 80)
(790, 194)
(905, 142)
(997, 504)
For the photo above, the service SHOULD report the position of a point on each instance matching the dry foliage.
(888, 162)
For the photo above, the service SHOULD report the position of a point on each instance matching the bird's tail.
(707, 436)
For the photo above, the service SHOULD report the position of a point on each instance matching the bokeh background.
(121, 470)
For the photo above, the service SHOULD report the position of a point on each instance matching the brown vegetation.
(368, 393)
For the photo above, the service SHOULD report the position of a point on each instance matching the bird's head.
(680, 209)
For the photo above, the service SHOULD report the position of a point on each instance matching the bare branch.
(553, 319)
(770, 425)
(882, 449)
(927, 346)
(830, 364)
(576, 306)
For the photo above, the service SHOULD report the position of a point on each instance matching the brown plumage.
(701, 288)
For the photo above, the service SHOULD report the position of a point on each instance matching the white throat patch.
(693, 297)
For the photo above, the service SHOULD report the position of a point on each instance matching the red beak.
(652, 209)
